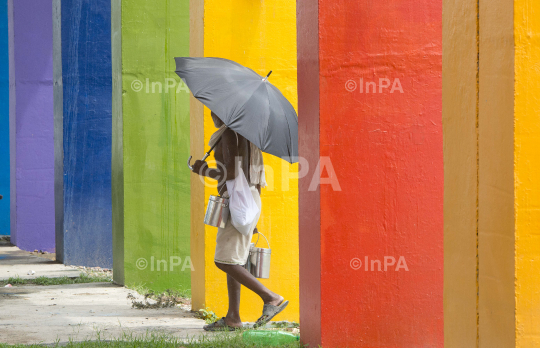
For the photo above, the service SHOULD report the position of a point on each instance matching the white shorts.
(232, 247)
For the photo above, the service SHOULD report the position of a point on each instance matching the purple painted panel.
(32, 45)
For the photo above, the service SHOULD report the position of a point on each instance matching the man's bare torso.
(242, 150)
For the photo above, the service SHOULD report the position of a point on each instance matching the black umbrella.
(245, 101)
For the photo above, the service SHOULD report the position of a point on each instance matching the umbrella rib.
(267, 121)
(288, 127)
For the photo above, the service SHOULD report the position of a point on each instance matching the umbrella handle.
(189, 160)
(205, 155)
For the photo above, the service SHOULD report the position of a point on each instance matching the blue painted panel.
(4, 120)
(87, 125)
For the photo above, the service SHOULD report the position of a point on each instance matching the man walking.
(232, 248)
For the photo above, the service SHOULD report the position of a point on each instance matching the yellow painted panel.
(262, 36)
(527, 169)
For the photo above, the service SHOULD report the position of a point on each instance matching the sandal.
(220, 325)
(269, 312)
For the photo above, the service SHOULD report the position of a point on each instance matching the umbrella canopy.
(245, 101)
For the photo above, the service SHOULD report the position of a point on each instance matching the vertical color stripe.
(496, 182)
(12, 127)
(527, 166)
(155, 144)
(386, 149)
(4, 119)
(32, 118)
(58, 93)
(117, 155)
(197, 148)
(261, 36)
(308, 147)
(86, 139)
(459, 100)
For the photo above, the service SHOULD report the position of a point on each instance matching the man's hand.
(199, 167)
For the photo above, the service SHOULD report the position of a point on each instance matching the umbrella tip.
(266, 78)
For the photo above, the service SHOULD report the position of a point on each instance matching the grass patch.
(154, 340)
(83, 278)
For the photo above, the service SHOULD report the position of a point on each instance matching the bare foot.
(276, 301)
(232, 322)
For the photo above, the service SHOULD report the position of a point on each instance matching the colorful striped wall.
(262, 38)
(150, 180)
(31, 125)
(419, 118)
(4, 119)
(83, 127)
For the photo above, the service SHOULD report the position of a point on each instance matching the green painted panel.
(155, 121)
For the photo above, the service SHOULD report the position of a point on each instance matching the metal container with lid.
(258, 262)
(217, 211)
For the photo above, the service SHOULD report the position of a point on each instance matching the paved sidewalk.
(44, 314)
(16, 262)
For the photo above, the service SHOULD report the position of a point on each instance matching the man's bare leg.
(233, 314)
(242, 276)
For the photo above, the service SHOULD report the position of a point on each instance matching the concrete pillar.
(496, 301)
(261, 36)
(460, 126)
(83, 85)
(150, 179)
(491, 146)
(526, 168)
(197, 147)
(4, 119)
(371, 230)
(31, 124)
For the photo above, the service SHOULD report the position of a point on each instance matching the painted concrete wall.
(386, 151)
(84, 229)
(31, 125)
(460, 126)
(150, 184)
(309, 201)
(4, 119)
(261, 36)
(526, 168)
(496, 301)
(506, 151)
(197, 147)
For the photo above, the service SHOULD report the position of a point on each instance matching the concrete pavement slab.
(46, 314)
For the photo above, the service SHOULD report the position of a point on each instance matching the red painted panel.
(386, 149)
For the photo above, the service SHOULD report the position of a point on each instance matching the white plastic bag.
(242, 206)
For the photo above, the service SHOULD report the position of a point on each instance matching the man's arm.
(201, 168)
(229, 148)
